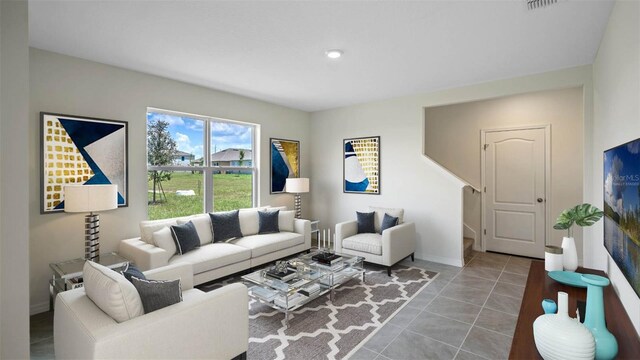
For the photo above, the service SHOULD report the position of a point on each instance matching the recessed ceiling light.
(334, 53)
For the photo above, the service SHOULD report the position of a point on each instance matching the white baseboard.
(441, 260)
(39, 308)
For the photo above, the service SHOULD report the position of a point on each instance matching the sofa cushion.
(157, 294)
(380, 211)
(388, 222)
(268, 243)
(132, 271)
(369, 242)
(226, 225)
(186, 237)
(213, 256)
(286, 219)
(268, 222)
(366, 222)
(249, 223)
(111, 292)
(202, 222)
(164, 240)
(148, 227)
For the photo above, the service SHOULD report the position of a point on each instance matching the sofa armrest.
(302, 226)
(145, 256)
(403, 238)
(182, 271)
(213, 325)
(343, 231)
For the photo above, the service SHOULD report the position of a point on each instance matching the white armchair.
(387, 249)
(213, 325)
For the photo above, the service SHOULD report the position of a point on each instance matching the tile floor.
(466, 313)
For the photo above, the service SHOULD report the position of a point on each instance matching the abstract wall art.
(81, 151)
(361, 165)
(285, 163)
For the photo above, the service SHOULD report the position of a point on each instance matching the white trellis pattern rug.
(331, 330)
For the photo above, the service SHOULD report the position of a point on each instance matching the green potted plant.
(581, 215)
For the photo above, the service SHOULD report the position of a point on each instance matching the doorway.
(516, 177)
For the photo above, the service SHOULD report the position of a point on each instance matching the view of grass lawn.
(230, 191)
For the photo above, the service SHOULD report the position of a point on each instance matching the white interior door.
(515, 204)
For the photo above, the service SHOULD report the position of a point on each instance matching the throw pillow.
(157, 294)
(388, 222)
(366, 222)
(226, 225)
(148, 227)
(286, 220)
(248, 221)
(111, 292)
(186, 237)
(163, 239)
(132, 271)
(202, 223)
(268, 222)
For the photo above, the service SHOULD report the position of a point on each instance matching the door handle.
(540, 200)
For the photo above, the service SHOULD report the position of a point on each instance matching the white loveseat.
(216, 260)
(213, 325)
(386, 248)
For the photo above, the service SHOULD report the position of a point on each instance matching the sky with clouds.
(188, 134)
(622, 176)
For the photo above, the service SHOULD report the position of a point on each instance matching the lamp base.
(92, 237)
(297, 205)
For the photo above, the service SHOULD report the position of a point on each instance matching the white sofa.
(216, 260)
(388, 248)
(213, 325)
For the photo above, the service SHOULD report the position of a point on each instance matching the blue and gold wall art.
(285, 163)
(361, 165)
(81, 151)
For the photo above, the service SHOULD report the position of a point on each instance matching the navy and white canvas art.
(81, 151)
(361, 165)
(622, 209)
(285, 163)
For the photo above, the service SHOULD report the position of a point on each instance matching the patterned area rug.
(323, 329)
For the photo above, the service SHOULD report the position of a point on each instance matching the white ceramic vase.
(558, 336)
(569, 254)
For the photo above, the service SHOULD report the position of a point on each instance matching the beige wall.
(452, 138)
(616, 78)
(14, 195)
(67, 85)
(432, 198)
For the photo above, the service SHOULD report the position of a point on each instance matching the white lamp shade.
(89, 198)
(297, 185)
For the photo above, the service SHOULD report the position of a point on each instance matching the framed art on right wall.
(361, 165)
(622, 209)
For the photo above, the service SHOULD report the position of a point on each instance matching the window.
(197, 163)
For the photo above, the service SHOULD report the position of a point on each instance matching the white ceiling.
(274, 51)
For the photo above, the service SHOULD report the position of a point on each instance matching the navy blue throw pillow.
(225, 225)
(388, 222)
(268, 222)
(365, 222)
(186, 237)
(131, 270)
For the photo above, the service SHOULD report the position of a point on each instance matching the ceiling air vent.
(535, 4)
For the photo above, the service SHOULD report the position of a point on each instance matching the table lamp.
(90, 198)
(297, 186)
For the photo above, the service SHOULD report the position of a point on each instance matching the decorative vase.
(606, 344)
(553, 258)
(557, 336)
(569, 254)
(549, 306)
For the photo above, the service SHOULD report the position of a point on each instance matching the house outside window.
(198, 164)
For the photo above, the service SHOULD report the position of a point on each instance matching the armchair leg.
(412, 257)
(388, 270)
(242, 356)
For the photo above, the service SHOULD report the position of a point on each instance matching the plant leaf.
(565, 219)
(587, 215)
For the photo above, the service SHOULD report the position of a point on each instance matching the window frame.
(207, 169)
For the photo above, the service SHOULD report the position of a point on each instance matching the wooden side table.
(67, 275)
(541, 286)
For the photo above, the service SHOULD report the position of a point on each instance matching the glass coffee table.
(310, 280)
